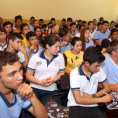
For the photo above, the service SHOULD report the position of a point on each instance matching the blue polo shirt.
(89, 43)
(100, 35)
(12, 110)
(111, 70)
(39, 50)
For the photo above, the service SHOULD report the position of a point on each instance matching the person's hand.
(32, 48)
(25, 90)
(86, 95)
(115, 87)
(49, 82)
(107, 98)
(22, 49)
(44, 82)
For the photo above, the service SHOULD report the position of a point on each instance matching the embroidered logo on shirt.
(38, 63)
(56, 63)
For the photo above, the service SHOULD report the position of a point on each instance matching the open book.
(114, 103)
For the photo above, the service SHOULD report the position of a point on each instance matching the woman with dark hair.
(51, 30)
(45, 69)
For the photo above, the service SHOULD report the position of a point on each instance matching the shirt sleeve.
(21, 57)
(32, 63)
(96, 36)
(102, 77)
(74, 81)
(62, 64)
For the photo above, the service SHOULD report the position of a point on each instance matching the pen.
(105, 93)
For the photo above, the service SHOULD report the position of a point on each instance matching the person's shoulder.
(81, 52)
(75, 71)
(67, 51)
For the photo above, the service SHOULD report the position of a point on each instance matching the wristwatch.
(94, 96)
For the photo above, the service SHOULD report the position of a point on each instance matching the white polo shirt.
(80, 82)
(44, 69)
(92, 34)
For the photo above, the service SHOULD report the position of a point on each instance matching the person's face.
(90, 26)
(94, 67)
(41, 22)
(115, 36)
(53, 22)
(38, 32)
(105, 26)
(8, 28)
(112, 25)
(16, 43)
(26, 29)
(87, 34)
(18, 23)
(32, 20)
(68, 23)
(94, 22)
(54, 49)
(53, 30)
(73, 28)
(77, 47)
(66, 38)
(11, 76)
(33, 41)
(63, 22)
(99, 27)
(2, 36)
(80, 23)
(36, 23)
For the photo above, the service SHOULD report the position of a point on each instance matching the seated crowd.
(33, 57)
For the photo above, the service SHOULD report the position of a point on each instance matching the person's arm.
(114, 87)
(37, 109)
(97, 42)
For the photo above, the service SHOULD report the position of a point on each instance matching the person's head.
(73, 27)
(32, 19)
(94, 21)
(105, 44)
(41, 22)
(113, 49)
(90, 25)
(92, 59)
(8, 27)
(52, 29)
(15, 40)
(63, 21)
(25, 28)
(80, 28)
(114, 34)
(38, 32)
(85, 34)
(79, 22)
(101, 19)
(69, 21)
(84, 23)
(99, 26)
(32, 38)
(36, 23)
(2, 34)
(18, 21)
(64, 35)
(105, 25)
(52, 44)
(76, 44)
(53, 21)
(112, 24)
(10, 70)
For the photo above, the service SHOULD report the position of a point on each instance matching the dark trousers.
(86, 112)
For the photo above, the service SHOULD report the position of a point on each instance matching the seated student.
(51, 30)
(18, 22)
(95, 24)
(41, 22)
(79, 22)
(54, 23)
(73, 30)
(32, 19)
(105, 47)
(45, 69)
(33, 48)
(25, 29)
(84, 23)
(15, 95)
(80, 30)
(85, 37)
(14, 46)
(112, 25)
(110, 66)
(36, 23)
(102, 34)
(73, 57)
(83, 97)
(64, 39)
(99, 26)
(8, 27)
(69, 21)
(114, 35)
(91, 29)
(3, 42)
(63, 23)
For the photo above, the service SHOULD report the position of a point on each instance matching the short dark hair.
(105, 43)
(113, 46)
(63, 19)
(99, 24)
(113, 30)
(50, 40)
(63, 32)
(2, 29)
(23, 25)
(30, 34)
(89, 22)
(94, 19)
(52, 19)
(105, 21)
(92, 55)
(32, 17)
(7, 58)
(7, 23)
(72, 24)
(83, 21)
(18, 17)
(74, 40)
(15, 36)
(41, 20)
(116, 26)
(69, 19)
